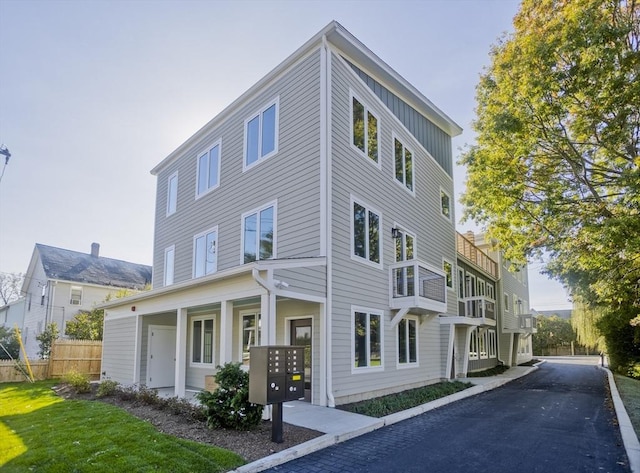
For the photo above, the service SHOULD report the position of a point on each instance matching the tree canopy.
(555, 170)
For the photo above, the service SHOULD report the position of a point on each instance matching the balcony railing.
(415, 285)
(528, 323)
(474, 254)
(477, 307)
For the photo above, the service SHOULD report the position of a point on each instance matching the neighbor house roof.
(68, 265)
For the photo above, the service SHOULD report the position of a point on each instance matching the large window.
(407, 341)
(261, 135)
(259, 234)
(172, 194)
(251, 332)
(364, 129)
(208, 170)
(205, 253)
(445, 204)
(169, 265)
(403, 159)
(366, 233)
(367, 340)
(202, 340)
(447, 267)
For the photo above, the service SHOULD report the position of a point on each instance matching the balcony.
(477, 307)
(417, 287)
(476, 256)
(528, 323)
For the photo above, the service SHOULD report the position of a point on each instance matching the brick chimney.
(95, 249)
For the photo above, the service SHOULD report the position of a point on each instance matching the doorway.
(161, 361)
(300, 331)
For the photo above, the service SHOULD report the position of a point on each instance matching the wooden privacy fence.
(82, 356)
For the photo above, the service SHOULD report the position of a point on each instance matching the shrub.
(107, 388)
(228, 406)
(78, 381)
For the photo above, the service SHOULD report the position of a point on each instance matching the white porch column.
(137, 355)
(181, 352)
(226, 325)
(268, 311)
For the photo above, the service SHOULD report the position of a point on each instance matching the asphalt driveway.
(557, 419)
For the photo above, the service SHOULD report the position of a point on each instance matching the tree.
(552, 332)
(46, 339)
(86, 325)
(10, 285)
(9, 342)
(555, 171)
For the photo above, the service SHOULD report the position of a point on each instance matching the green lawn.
(629, 390)
(42, 432)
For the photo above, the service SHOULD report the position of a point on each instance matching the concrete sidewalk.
(338, 425)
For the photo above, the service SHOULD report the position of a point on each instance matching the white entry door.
(161, 360)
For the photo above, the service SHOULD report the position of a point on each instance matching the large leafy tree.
(555, 170)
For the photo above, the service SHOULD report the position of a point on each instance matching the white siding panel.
(118, 349)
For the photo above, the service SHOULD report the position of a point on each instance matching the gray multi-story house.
(314, 210)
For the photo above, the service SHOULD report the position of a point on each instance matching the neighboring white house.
(59, 283)
(316, 209)
(12, 314)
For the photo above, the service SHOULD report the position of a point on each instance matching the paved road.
(557, 419)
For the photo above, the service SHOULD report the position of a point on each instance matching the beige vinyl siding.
(118, 349)
(311, 281)
(291, 177)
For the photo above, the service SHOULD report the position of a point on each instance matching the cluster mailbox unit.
(276, 375)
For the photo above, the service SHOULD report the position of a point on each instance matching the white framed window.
(169, 264)
(405, 245)
(259, 233)
(365, 130)
(208, 175)
(366, 339)
(251, 331)
(75, 296)
(205, 253)
(261, 134)
(517, 305)
(473, 345)
(366, 245)
(408, 341)
(202, 338)
(491, 292)
(482, 345)
(493, 352)
(403, 161)
(445, 204)
(506, 302)
(172, 193)
(460, 283)
(447, 267)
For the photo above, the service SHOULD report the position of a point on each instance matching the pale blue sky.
(93, 94)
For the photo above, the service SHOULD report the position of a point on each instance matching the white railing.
(528, 322)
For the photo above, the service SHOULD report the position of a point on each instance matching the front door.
(301, 335)
(161, 362)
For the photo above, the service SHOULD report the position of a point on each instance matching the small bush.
(78, 381)
(107, 388)
(633, 370)
(228, 406)
(496, 370)
(184, 408)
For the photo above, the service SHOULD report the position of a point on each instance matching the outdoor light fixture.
(395, 233)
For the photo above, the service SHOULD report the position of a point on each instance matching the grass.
(385, 405)
(42, 432)
(629, 390)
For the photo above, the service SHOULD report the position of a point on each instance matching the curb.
(629, 437)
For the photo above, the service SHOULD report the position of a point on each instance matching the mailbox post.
(276, 375)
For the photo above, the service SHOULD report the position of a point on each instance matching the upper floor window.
(506, 302)
(403, 163)
(447, 267)
(460, 283)
(405, 248)
(202, 340)
(172, 193)
(367, 340)
(445, 204)
(364, 130)
(259, 234)
(366, 233)
(261, 134)
(169, 259)
(205, 253)
(76, 295)
(208, 170)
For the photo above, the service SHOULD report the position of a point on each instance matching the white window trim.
(213, 363)
(168, 209)
(257, 210)
(276, 141)
(483, 336)
(405, 232)
(450, 217)
(505, 301)
(408, 364)
(193, 258)
(171, 248)
(77, 288)
(353, 200)
(365, 153)
(493, 352)
(241, 315)
(474, 336)
(453, 272)
(411, 191)
(461, 280)
(366, 369)
(206, 151)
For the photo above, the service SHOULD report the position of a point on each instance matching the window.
(251, 332)
(473, 345)
(208, 170)
(445, 204)
(202, 340)
(366, 233)
(76, 295)
(407, 341)
(367, 344)
(403, 163)
(517, 305)
(364, 130)
(447, 267)
(259, 234)
(205, 253)
(169, 259)
(491, 293)
(460, 283)
(492, 344)
(261, 135)
(482, 345)
(506, 302)
(172, 194)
